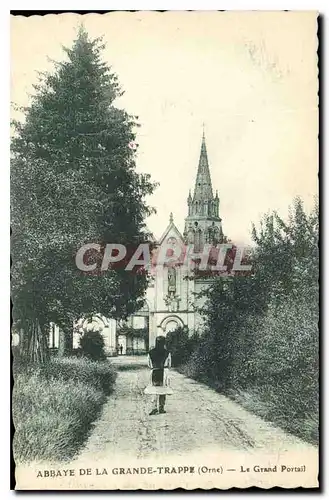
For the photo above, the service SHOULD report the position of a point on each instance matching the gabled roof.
(171, 230)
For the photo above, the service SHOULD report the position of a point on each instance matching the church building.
(171, 298)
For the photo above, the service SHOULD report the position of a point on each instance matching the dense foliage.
(92, 345)
(181, 345)
(261, 331)
(73, 181)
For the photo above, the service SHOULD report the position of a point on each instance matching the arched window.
(198, 240)
(205, 208)
(190, 236)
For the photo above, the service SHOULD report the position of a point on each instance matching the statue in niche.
(171, 279)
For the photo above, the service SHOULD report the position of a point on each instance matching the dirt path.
(203, 441)
(197, 418)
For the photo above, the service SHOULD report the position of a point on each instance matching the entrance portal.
(170, 324)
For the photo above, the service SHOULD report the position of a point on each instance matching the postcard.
(165, 261)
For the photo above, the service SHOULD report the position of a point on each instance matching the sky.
(250, 77)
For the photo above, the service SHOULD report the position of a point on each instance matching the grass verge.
(55, 406)
(273, 407)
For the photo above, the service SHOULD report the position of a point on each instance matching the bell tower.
(203, 224)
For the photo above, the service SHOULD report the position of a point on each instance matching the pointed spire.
(203, 187)
(171, 218)
(202, 224)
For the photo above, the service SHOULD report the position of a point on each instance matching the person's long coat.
(159, 383)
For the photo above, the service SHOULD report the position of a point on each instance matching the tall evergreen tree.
(73, 182)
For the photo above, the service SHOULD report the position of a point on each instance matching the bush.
(92, 345)
(278, 378)
(197, 366)
(180, 345)
(284, 367)
(53, 408)
(211, 361)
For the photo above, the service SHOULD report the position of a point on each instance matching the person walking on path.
(159, 361)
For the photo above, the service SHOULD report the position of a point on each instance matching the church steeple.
(203, 203)
(203, 224)
(203, 187)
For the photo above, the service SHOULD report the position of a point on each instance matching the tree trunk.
(35, 343)
(65, 346)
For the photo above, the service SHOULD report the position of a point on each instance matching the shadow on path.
(129, 363)
(128, 368)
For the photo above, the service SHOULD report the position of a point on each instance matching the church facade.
(171, 299)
